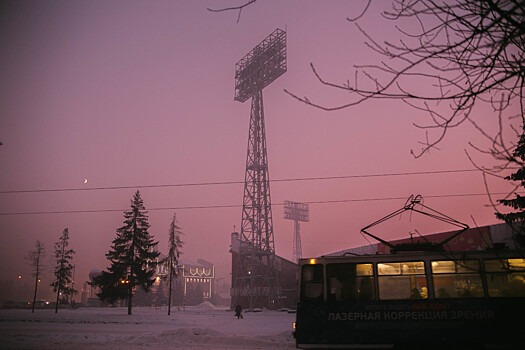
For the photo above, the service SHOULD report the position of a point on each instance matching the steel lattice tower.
(256, 276)
(297, 212)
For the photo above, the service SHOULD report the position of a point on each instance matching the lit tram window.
(402, 280)
(505, 277)
(350, 282)
(364, 270)
(517, 264)
(457, 279)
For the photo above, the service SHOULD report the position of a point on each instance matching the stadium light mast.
(256, 277)
(298, 212)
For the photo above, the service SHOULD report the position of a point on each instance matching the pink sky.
(138, 93)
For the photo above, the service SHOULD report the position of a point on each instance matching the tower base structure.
(260, 280)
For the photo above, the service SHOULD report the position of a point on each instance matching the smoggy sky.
(140, 93)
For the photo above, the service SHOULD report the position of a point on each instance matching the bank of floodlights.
(261, 66)
(298, 212)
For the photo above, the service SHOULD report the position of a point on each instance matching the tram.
(427, 299)
(416, 296)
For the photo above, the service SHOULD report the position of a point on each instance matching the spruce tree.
(63, 270)
(516, 220)
(174, 245)
(133, 257)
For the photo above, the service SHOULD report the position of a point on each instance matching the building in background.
(195, 282)
(287, 275)
(476, 238)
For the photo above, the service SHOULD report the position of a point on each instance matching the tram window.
(341, 282)
(312, 282)
(402, 280)
(364, 270)
(457, 279)
(517, 264)
(350, 281)
(505, 277)
(504, 265)
(366, 289)
(365, 282)
(455, 266)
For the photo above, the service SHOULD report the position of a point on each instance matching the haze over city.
(99, 99)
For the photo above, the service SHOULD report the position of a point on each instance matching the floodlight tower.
(256, 281)
(297, 212)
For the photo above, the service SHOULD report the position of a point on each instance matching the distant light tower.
(296, 212)
(256, 282)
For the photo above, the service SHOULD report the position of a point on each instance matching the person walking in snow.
(238, 311)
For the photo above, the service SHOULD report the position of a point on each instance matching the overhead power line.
(217, 183)
(223, 206)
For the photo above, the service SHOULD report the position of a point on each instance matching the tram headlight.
(313, 261)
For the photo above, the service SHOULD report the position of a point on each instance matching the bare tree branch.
(465, 52)
(233, 8)
(362, 13)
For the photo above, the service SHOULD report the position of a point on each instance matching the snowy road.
(147, 328)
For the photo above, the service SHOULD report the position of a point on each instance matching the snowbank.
(197, 327)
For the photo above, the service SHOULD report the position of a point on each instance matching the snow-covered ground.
(148, 328)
